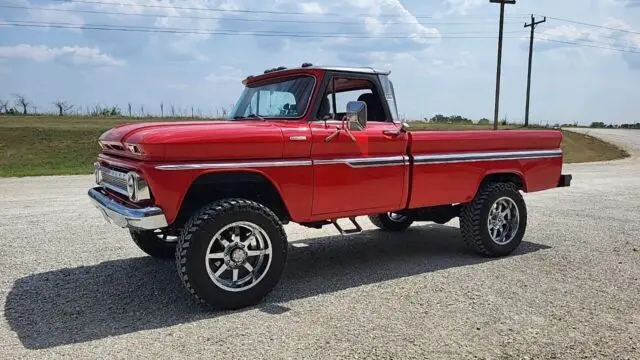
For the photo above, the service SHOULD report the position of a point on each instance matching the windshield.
(283, 98)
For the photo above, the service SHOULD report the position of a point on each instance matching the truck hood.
(196, 140)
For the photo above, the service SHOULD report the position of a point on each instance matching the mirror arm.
(334, 134)
(353, 138)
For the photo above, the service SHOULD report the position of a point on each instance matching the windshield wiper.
(250, 116)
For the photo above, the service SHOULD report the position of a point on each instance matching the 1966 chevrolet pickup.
(310, 145)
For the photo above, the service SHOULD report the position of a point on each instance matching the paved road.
(75, 287)
(628, 139)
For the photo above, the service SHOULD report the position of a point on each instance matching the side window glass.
(326, 107)
(342, 98)
(343, 90)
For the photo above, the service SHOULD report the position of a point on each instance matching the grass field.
(51, 145)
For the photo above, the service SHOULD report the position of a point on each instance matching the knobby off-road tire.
(218, 236)
(475, 225)
(155, 243)
(391, 221)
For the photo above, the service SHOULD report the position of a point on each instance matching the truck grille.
(114, 180)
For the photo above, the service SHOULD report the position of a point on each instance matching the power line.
(195, 30)
(103, 12)
(271, 12)
(592, 25)
(588, 40)
(127, 28)
(592, 46)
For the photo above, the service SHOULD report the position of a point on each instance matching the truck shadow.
(118, 297)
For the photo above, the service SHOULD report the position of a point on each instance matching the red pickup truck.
(310, 145)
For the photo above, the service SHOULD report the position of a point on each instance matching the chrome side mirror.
(356, 115)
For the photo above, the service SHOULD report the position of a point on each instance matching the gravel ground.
(75, 287)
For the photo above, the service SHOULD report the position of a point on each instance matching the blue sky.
(433, 71)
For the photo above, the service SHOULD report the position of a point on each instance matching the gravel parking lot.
(74, 286)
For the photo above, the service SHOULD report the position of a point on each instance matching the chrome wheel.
(164, 237)
(503, 221)
(238, 256)
(397, 217)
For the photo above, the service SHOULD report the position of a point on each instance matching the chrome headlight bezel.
(97, 173)
(137, 187)
(131, 183)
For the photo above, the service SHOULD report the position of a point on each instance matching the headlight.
(137, 188)
(132, 191)
(97, 173)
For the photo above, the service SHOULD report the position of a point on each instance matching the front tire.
(391, 221)
(231, 253)
(155, 243)
(494, 223)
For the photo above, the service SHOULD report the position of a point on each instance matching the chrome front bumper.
(148, 218)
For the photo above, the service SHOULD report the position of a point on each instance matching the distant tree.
(457, 119)
(597, 124)
(22, 102)
(129, 105)
(63, 107)
(484, 121)
(4, 106)
(439, 118)
(161, 109)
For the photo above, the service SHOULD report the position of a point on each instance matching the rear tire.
(231, 253)
(155, 243)
(391, 221)
(494, 223)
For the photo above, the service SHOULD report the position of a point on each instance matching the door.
(368, 174)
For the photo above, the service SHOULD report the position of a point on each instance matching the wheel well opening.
(216, 186)
(513, 178)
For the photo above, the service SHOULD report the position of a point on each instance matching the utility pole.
(497, 106)
(533, 28)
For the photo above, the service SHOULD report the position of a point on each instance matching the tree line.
(602, 125)
(457, 119)
(20, 105)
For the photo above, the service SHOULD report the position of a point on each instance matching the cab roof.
(269, 73)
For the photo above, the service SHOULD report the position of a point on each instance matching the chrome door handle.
(391, 132)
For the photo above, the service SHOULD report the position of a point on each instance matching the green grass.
(52, 145)
(580, 148)
(28, 151)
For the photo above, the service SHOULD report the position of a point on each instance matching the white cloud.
(625, 3)
(373, 26)
(594, 39)
(463, 7)
(75, 55)
(46, 16)
(311, 8)
(225, 74)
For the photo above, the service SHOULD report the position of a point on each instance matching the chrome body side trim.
(233, 165)
(148, 218)
(364, 162)
(485, 156)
